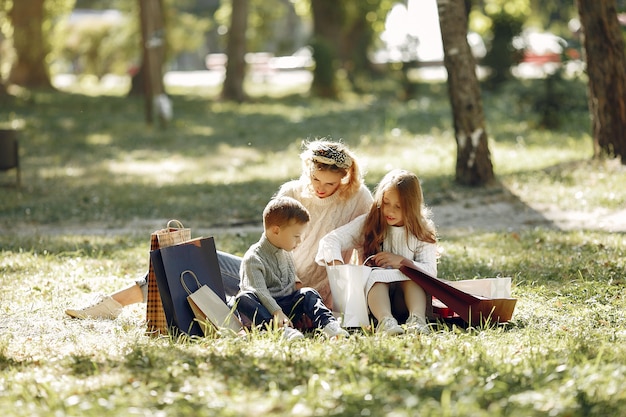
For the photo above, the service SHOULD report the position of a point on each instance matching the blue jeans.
(305, 301)
(229, 267)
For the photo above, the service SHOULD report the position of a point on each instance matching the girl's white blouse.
(423, 254)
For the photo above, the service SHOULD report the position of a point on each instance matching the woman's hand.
(388, 260)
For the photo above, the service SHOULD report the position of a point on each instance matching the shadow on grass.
(94, 160)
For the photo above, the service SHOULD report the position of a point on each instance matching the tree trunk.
(606, 68)
(30, 69)
(327, 20)
(236, 52)
(473, 162)
(153, 49)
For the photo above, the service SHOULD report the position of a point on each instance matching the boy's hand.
(282, 319)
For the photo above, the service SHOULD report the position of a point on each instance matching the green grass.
(97, 181)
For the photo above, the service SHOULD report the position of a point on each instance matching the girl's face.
(392, 209)
(325, 183)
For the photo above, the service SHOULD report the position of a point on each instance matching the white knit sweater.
(423, 254)
(327, 214)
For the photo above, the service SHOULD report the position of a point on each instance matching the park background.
(97, 177)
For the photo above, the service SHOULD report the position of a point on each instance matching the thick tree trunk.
(606, 68)
(153, 51)
(30, 69)
(232, 88)
(473, 162)
(327, 19)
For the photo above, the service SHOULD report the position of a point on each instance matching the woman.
(331, 187)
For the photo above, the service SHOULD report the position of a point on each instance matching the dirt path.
(473, 214)
(478, 214)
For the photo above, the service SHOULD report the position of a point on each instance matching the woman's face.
(325, 183)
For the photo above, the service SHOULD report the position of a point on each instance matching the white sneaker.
(104, 307)
(333, 330)
(289, 333)
(389, 326)
(417, 325)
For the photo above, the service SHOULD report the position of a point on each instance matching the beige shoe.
(416, 325)
(334, 331)
(289, 333)
(105, 307)
(389, 326)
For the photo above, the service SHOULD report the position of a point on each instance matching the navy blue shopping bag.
(197, 255)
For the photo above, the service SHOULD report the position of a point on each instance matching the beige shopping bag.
(485, 287)
(173, 234)
(208, 307)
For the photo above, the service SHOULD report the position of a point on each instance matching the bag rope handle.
(367, 259)
(364, 262)
(182, 279)
(177, 223)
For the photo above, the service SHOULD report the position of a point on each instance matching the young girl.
(397, 227)
(332, 190)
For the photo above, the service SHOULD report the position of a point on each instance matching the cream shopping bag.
(208, 307)
(485, 287)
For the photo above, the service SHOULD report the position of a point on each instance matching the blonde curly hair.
(328, 155)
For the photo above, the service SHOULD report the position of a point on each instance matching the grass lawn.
(97, 181)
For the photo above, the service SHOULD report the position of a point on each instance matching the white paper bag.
(206, 305)
(347, 285)
(485, 287)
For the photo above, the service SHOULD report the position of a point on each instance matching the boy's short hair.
(281, 211)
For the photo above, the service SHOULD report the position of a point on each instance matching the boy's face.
(286, 237)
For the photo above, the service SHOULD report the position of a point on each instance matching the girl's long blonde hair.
(416, 215)
(328, 155)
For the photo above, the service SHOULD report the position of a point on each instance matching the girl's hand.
(388, 260)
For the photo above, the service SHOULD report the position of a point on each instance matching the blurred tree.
(153, 43)
(606, 69)
(32, 22)
(343, 33)
(232, 88)
(501, 55)
(184, 31)
(473, 162)
(505, 20)
(327, 21)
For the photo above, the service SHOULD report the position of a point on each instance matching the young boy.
(270, 290)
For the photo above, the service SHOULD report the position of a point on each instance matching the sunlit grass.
(567, 330)
(97, 180)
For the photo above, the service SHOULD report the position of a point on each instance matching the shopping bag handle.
(176, 224)
(367, 259)
(182, 279)
(364, 262)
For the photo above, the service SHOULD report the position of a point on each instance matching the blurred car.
(542, 48)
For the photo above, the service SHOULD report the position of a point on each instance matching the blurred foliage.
(501, 55)
(112, 46)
